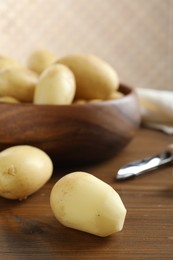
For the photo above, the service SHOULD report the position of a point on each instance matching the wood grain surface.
(28, 229)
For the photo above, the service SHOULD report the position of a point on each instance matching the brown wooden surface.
(28, 229)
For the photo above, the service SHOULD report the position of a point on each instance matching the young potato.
(23, 170)
(8, 99)
(18, 83)
(40, 59)
(7, 62)
(95, 79)
(95, 100)
(79, 101)
(116, 95)
(56, 86)
(81, 201)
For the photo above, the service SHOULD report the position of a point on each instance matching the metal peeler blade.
(145, 165)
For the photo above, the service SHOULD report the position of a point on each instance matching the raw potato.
(40, 59)
(8, 99)
(115, 95)
(23, 170)
(7, 62)
(79, 101)
(95, 100)
(56, 86)
(81, 201)
(95, 79)
(19, 83)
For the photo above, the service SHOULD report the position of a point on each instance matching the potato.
(81, 201)
(79, 101)
(40, 59)
(95, 100)
(7, 62)
(95, 79)
(115, 95)
(23, 170)
(8, 99)
(18, 83)
(56, 86)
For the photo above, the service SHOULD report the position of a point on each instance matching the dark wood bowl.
(72, 134)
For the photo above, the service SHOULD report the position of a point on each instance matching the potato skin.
(7, 62)
(8, 99)
(95, 78)
(56, 86)
(18, 83)
(24, 169)
(40, 59)
(81, 201)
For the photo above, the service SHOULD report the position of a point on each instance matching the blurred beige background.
(135, 36)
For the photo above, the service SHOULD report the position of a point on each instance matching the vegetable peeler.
(145, 165)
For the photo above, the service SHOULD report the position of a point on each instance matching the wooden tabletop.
(28, 229)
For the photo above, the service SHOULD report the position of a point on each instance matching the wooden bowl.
(72, 134)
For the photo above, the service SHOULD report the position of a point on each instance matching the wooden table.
(28, 229)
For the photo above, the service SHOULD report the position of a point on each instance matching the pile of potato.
(77, 78)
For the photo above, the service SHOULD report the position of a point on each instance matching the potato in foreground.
(23, 170)
(81, 201)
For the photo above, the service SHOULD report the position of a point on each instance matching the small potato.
(23, 170)
(81, 201)
(95, 100)
(95, 79)
(7, 62)
(8, 99)
(40, 59)
(18, 83)
(116, 95)
(56, 86)
(79, 101)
